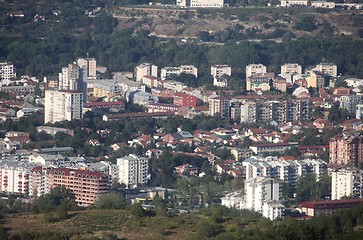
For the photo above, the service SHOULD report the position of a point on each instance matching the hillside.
(247, 23)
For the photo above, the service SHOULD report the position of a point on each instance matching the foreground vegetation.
(214, 223)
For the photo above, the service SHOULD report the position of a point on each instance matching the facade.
(260, 191)
(7, 71)
(347, 183)
(187, 69)
(25, 89)
(200, 3)
(145, 69)
(235, 111)
(220, 70)
(249, 112)
(184, 100)
(291, 68)
(132, 170)
(89, 66)
(219, 105)
(62, 105)
(255, 70)
(345, 149)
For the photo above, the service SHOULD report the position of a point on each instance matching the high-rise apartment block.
(88, 65)
(347, 183)
(291, 68)
(70, 78)
(186, 69)
(200, 3)
(62, 105)
(145, 69)
(132, 170)
(279, 111)
(345, 149)
(219, 105)
(7, 71)
(263, 195)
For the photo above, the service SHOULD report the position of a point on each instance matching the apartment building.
(351, 102)
(347, 183)
(255, 70)
(327, 68)
(249, 112)
(220, 70)
(291, 68)
(105, 88)
(87, 186)
(200, 3)
(70, 78)
(279, 111)
(132, 170)
(235, 111)
(263, 195)
(89, 66)
(62, 105)
(220, 81)
(7, 71)
(289, 3)
(258, 82)
(219, 105)
(187, 69)
(285, 171)
(345, 149)
(315, 79)
(14, 177)
(145, 69)
(184, 100)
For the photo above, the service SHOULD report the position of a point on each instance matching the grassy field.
(107, 224)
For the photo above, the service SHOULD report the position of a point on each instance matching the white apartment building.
(7, 71)
(132, 170)
(255, 70)
(260, 191)
(187, 69)
(288, 3)
(14, 178)
(327, 68)
(291, 68)
(220, 70)
(273, 209)
(63, 105)
(347, 183)
(89, 66)
(200, 3)
(354, 82)
(145, 69)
